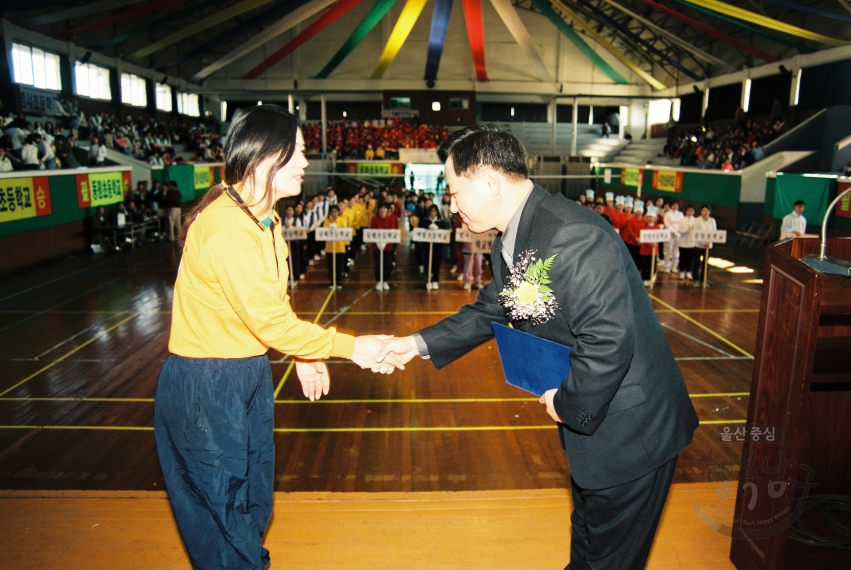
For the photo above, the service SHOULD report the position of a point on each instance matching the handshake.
(380, 353)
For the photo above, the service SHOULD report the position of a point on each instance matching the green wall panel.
(714, 189)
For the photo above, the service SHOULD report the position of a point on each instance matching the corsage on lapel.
(527, 296)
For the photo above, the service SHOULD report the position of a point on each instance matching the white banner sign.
(463, 235)
(38, 102)
(711, 236)
(382, 236)
(333, 234)
(294, 233)
(654, 236)
(431, 236)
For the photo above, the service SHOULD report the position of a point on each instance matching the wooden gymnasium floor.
(82, 342)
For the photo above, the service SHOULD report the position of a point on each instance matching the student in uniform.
(704, 223)
(671, 219)
(648, 250)
(336, 250)
(432, 222)
(686, 243)
(214, 402)
(383, 220)
(632, 231)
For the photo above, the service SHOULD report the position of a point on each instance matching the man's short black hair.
(485, 145)
(798, 203)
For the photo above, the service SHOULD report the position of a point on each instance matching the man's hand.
(403, 348)
(314, 378)
(547, 399)
(366, 355)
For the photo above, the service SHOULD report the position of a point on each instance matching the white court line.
(697, 340)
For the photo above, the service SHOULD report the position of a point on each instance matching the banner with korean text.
(22, 198)
(843, 208)
(376, 168)
(102, 188)
(632, 177)
(668, 181)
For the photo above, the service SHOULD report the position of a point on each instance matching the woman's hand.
(314, 378)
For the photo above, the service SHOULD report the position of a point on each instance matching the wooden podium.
(802, 387)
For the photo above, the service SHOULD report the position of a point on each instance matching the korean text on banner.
(654, 236)
(843, 208)
(203, 177)
(22, 198)
(102, 188)
(482, 243)
(668, 181)
(431, 236)
(632, 176)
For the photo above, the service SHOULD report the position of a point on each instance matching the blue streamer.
(437, 37)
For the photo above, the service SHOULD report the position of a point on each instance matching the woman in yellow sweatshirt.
(214, 404)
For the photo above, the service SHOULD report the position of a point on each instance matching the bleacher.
(537, 138)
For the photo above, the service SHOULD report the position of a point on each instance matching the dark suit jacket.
(624, 403)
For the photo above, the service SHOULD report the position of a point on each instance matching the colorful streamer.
(476, 36)
(809, 10)
(518, 31)
(770, 23)
(191, 10)
(768, 58)
(276, 12)
(198, 26)
(577, 40)
(369, 22)
(437, 37)
(795, 45)
(649, 79)
(638, 39)
(409, 16)
(258, 40)
(120, 17)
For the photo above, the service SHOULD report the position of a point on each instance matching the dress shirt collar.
(509, 236)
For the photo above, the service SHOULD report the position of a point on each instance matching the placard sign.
(463, 235)
(483, 243)
(102, 188)
(294, 233)
(24, 198)
(382, 236)
(654, 236)
(333, 234)
(431, 236)
(710, 236)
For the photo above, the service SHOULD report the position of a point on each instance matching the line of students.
(682, 256)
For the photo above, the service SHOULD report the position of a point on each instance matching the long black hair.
(254, 136)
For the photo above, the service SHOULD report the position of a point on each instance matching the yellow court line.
(355, 401)
(704, 327)
(347, 429)
(292, 363)
(69, 353)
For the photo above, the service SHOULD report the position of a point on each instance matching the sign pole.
(653, 266)
(381, 265)
(430, 253)
(334, 265)
(290, 261)
(705, 266)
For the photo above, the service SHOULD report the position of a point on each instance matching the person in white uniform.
(794, 224)
(671, 220)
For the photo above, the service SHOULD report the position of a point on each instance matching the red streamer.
(322, 22)
(120, 17)
(476, 35)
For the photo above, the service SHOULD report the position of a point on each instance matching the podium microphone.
(822, 262)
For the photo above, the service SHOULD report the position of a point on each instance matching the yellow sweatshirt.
(230, 297)
(336, 246)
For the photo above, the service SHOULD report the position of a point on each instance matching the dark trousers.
(687, 259)
(341, 266)
(613, 529)
(634, 253)
(388, 264)
(644, 266)
(213, 424)
(436, 260)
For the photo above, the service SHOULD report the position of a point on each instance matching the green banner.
(816, 190)
(721, 190)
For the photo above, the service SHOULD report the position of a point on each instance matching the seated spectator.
(5, 163)
(97, 152)
(29, 153)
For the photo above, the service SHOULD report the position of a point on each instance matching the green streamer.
(190, 11)
(795, 45)
(571, 34)
(369, 22)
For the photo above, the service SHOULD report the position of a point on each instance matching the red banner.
(843, 208)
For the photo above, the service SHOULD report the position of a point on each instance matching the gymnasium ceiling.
(668, 42)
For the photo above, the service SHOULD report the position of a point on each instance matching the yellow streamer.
(748, 16)
(200, 26)
(652, 81)
(409, 16)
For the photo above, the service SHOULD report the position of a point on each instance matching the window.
(187, 104)
(32, 66)
(459, 103)
(133, 91)
(400, 102)
(92, 81)
(164, 98)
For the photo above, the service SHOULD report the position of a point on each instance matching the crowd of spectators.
(50, 144)
(736, 147)
(373, 139)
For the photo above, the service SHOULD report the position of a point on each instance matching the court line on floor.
(702, 326)
(384, 429)
(359, 313)
(695, 339)
(350, 401)
(292, 362)
(69, 353)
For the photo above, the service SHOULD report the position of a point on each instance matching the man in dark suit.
(623, 411)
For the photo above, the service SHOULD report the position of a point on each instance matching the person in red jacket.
(631, 231)
(648, 250)
(383, 220)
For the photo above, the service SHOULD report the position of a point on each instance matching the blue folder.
(529, 362)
